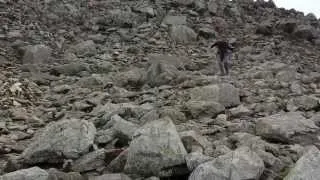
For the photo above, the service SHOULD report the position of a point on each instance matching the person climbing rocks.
(225, 54)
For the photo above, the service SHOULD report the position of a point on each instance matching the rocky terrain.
(129, 90)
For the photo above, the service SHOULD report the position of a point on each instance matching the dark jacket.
(222, 48)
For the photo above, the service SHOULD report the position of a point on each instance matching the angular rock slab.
(307, 167)
(64, 139)
(240, 164)
(225, 94)
(34, 173)
(283, 126)
(156, 146)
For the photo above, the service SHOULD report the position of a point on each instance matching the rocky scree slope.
(129, 90)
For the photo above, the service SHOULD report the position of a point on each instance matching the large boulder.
(156, 146)
(65, 139)
(36, 54)
(307, 167)
(225, 94)
(240, 164)
(34, 173)
(182, 34)
(284, 126)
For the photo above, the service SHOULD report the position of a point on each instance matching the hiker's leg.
(227, 61)
(221, 66)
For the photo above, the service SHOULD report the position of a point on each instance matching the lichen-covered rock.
(59, 140)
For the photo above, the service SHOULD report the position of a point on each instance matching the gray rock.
(305, 102)
(198, 5)
(240, 164)
(160, 73)
(59, 140)
(240, 111)
(123, 129)
(118, 176)
(286, 75)
(84, 48)
(174, 113)
(305, 32)
(105, 136)
(259, 146)
(90, 161)
(284, 126)
(265, 28)
(145, 9)
(296, 88)
(194, 159)
(199, 109)
(34, 173)
(125, 110)
(102, 68)
(153, 178)
(287, 25)
(175, 20)
(213, 6)
(225, 94)
(194, 142)
(182, 34)
(134, 78)
(207, 33)
(70, 69)
(55, 174)
(316, 119)
(123, 19)
(62, 89)
(307, 167)
(117, 165)
(156, 146)
(37, 54)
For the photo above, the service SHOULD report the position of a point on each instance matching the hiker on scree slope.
(225, 55)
